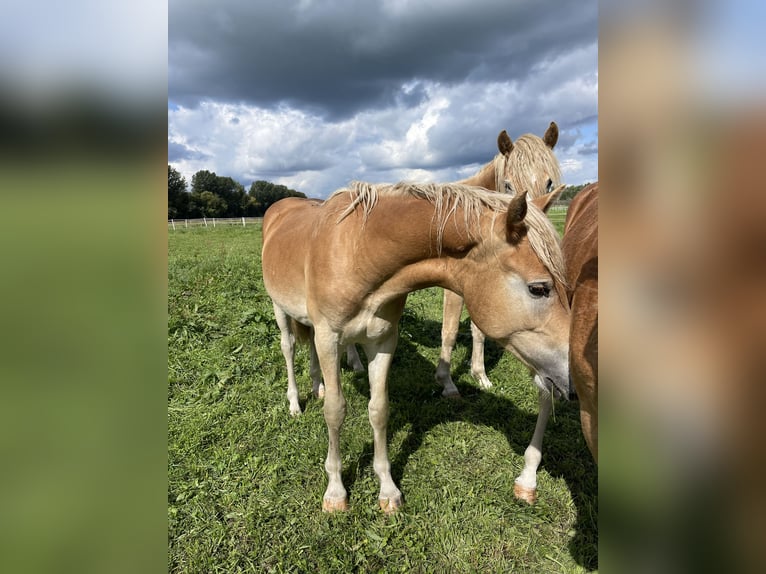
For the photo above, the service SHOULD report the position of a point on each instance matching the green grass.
(246, 480)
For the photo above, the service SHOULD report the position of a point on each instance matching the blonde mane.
(529, 159)
(473, 201)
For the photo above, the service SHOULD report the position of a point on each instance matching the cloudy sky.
(315, 93)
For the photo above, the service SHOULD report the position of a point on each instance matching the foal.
(344, 267)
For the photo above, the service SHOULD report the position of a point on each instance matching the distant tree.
(232, 193)
(252, 208)
(204, 180)
(207, 204)
(178, 197)
(572, 190)
(218, 196)
(264, 193)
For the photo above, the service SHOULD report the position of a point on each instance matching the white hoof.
(483, 380)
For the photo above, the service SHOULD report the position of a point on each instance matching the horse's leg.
(477, 358)
(353, 360)
(453, 306)
(525, 487)
(380, 354)
(287, 343)
(327, 347)
(317, 385)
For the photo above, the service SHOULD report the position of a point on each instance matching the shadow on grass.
(416, 403)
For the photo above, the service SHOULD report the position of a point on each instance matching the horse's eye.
(538, 290)
(549, 185)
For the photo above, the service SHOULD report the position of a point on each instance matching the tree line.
(571, 190)
(213, 195)
(217, 196)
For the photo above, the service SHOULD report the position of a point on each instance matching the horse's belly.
(373, 324)
(291, 301)
(298, 312)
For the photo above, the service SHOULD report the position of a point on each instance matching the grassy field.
(246, 480)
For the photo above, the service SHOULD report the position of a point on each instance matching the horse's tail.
(302, 332)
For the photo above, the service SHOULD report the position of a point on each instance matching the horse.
(531, 166)
(580, 249)
(343, 268)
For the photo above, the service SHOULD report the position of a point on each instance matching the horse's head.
(515, 291)
(529, 164)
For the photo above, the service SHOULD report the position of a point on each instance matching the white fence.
(557, 213)
(212, 222)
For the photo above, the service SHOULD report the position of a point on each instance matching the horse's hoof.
(340, 505)
(528, 495)
(295, 411)
(449, 389)
(390, 505)
(483, 381)
(320, 392)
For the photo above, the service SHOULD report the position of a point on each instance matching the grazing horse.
(580, 248)
(344, 268)
(528, 165)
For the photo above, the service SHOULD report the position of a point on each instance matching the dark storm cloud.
(314, 93)
(336, 57)
(178, 151)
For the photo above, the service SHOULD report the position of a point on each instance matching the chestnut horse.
(580, 247)
(343, 268)
(527, 165)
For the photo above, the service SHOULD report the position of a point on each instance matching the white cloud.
(453, 127)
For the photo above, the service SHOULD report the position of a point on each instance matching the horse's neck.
(485, 178)
(426, 258)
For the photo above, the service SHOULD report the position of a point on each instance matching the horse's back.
(580, 248)
(290, 208)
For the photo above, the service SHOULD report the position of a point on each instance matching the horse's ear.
(545, 201)
(514, 222)
(504, 143)
(551, 135)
